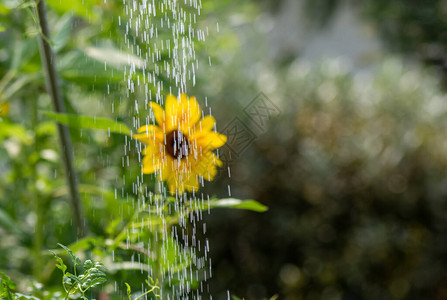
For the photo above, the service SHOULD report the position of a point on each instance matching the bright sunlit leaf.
(238, 204)
(114, 57)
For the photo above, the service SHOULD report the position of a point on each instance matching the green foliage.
(74, 283)
(89, 122)
(239, 204)
(153, 287)
(6, 288)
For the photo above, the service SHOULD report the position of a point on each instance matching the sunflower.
(179, 149)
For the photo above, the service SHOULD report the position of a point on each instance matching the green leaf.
(74, 278)
(89, 122)
(7, 281)
(74, 258)
(114, 57)
(97, 281)
(61, 266)
(76, 67)
(238, 204)
(22, 296)
(88, 264)
(16, 131)
(23, 52)
(5, 285)
(62, 32)
(67, 281)
(129, 291)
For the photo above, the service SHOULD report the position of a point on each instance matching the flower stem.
(52, 81)
(157, 260)
(38, 204)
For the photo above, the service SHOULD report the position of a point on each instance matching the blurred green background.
(352, 165)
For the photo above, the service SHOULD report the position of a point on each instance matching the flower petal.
(148, 128)
(192, 184)
(151, 163)
(158, 113)
(191, 109)
(175, 185)
(149, 134)
(206, 166)
(212, 140)
(166, 169)
(209, 173)
(218, 162)
(172, 112)
(151, 149)
(203, 127)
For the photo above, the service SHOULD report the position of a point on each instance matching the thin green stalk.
(52, 81)
(153, 288)
(38, 206)
(157, 260)
(38, 240)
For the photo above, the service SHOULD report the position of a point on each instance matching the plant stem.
(52, 81)
(157, 262)
(38, 205)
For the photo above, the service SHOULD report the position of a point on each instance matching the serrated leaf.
(22, 296)
(61, 266)
(252, 205)
(74, 258)
(7, 281)
(74, 278)
(98, 281)
(67, 281)
(88, 264)
(89, 122)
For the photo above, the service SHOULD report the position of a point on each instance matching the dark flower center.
(177, 145)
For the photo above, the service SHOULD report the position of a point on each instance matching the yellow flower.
(179, 149)
(4, 109)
